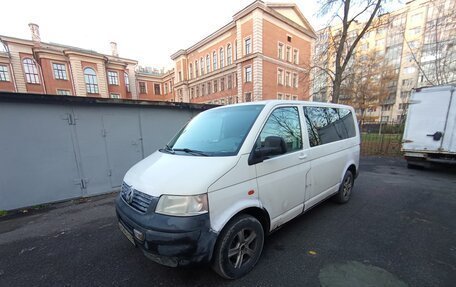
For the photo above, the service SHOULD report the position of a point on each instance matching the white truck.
(430, 127)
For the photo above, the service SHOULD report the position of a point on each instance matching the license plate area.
(127, 233)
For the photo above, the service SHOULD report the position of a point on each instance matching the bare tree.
(367, 84)
(342, 43)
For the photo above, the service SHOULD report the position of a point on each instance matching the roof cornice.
(245, 11)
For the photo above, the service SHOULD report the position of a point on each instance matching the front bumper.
(169, 240)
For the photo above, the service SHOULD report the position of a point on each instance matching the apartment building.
(410, 46)
(263, 53)
(33, 66)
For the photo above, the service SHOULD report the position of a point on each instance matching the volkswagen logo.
(129, 195)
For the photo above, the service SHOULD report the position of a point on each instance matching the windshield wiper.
(191, 151)
(167, 149)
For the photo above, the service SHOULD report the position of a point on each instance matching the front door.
(282, 178)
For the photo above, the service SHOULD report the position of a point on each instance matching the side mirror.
(273, 145)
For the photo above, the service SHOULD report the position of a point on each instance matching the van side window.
(326, 125)
(284, 123)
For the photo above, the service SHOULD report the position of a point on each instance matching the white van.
(234, 174)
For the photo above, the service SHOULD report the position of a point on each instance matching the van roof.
(273, 103)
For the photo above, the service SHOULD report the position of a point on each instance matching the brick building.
(263, 53)
(33, 66)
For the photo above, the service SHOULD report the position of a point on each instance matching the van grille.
(139, 201)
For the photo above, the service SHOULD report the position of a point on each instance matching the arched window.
(208, 63)
(214, 61)
(91, 81)
(127, 82)
(229, 55)
(31, 72)
(222, 58)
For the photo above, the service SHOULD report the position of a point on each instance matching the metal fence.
(57, 148)
(381, 139)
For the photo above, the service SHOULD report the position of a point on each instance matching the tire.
(243, 237)
(345, 189)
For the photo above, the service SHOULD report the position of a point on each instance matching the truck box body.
(430, 128)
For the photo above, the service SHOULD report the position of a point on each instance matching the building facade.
(412, 47)
(263, 53)
(33, 66)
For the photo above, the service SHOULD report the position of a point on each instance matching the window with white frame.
(142, 88)
(280, 96)
(228, 54)
(287, 78)
(230, 82)
(222, 83)
(280, 51)
(31, 72)
(287, 97)
(288, 54)
(248, 97)
(190, 71)
(196, 68)
(202, 66)
(209, 88)
(248, 74)
(113, 78)
(4, 75)
(294, 80)
(192, 93)
(222, 58)
(294, 98)
(59, 71)
(114, 96)
(63, 92)
(203, 89)
(91, 81)
(280, 76)
(248, 46)
(208, 63)
(157, 90)
(295, 56)
(127, 82)
(214, 61)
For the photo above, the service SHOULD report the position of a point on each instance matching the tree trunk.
(336, 88)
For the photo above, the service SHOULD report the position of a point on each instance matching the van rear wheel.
(345, 189)
(239, 247)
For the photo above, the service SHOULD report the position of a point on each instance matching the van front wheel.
(345, 189)
(239, 247)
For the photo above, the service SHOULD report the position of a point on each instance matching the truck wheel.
(239, 247)
(345, 188)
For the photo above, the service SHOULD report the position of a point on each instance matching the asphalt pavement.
(399, 229)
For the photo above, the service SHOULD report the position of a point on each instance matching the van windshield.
(217, 132)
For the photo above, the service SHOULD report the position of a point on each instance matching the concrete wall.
(58, 148)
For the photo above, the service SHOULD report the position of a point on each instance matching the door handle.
(302, 156)
(436, 136)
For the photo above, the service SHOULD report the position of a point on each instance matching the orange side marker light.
(251, 192)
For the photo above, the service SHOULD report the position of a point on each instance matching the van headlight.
(182, 205)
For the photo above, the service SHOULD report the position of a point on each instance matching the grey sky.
(148, 31)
